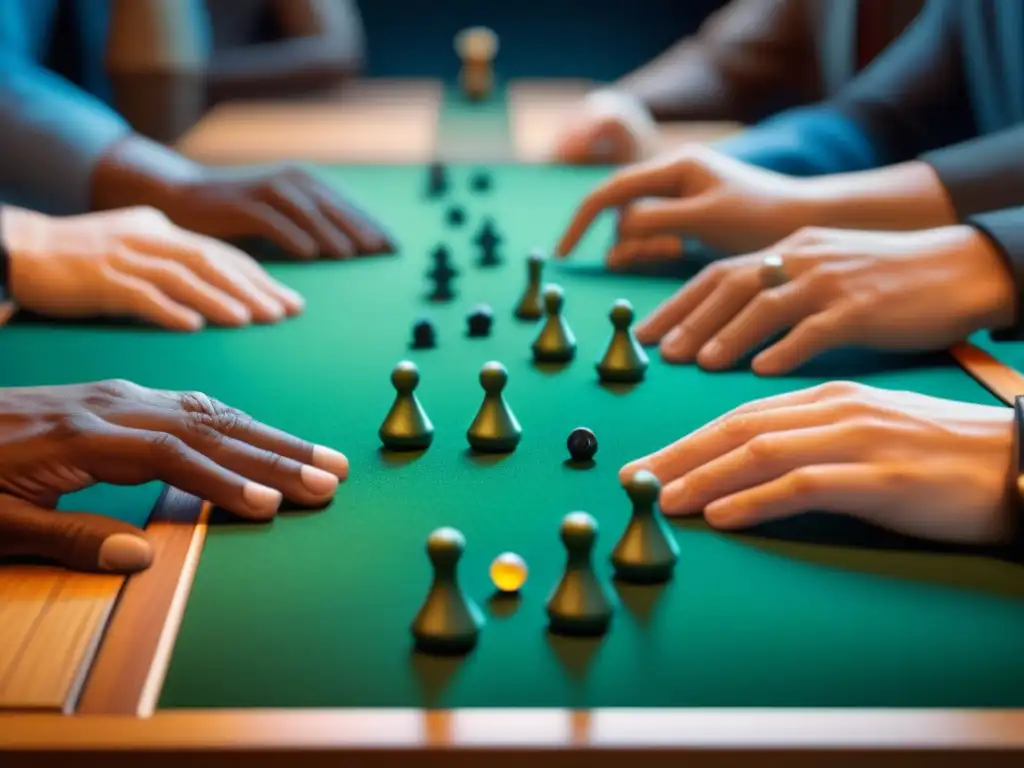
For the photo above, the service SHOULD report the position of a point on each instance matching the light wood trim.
(559, 734)
(132, 660)
(1000, 379)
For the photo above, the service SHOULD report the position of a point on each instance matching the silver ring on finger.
(773, 271)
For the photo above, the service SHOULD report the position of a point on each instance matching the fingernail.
(274, 308)
(722, 515)
(239, 313)
(261, 500)
(711, 353)
(125, 553)
(317, 481)
(330, 460)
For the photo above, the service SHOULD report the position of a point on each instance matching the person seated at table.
(749, 60)
(928, 135)
(60, 439)
(264, 48)
(917, 465)
(133, 263)
(66, 151)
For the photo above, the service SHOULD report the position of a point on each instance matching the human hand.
(610, 127)
(135, 262)
(698, 193)
(917, 291)
(284, 205)
(917, 465)
(57, 440)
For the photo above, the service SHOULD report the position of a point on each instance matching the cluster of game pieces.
(581, 604)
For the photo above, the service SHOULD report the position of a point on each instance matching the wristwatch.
(1017, 534)
(5, 274)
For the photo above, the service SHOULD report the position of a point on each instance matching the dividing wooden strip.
(997, 377)
(136, 646)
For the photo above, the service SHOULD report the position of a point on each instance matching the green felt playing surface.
(314, 609)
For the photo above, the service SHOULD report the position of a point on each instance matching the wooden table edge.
(118, 703)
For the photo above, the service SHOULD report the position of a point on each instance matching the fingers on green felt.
(134, 456)
(77, 540)
(556, 342)
(256, 218)
(859, 490)
(624, 360)
(674, 310)
(728, 298)
(623, 187)
(835, 327)
(406, 426)
(763, 458)
(292, 201)
(495, 428)
(766, 314)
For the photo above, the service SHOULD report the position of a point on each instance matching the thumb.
(77, 540)
(611, 141)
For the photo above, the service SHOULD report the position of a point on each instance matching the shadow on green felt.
(640, 600)
(434, 674)
(398, 458)
(846, 543)
(99, 323)
(579, 466)
(504, 605)
(574, 654)
(617, 388)
(484, 459)
(549, 369)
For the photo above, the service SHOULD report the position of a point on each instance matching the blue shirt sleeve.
(52, 133)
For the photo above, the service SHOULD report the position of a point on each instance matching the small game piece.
(582, 444)
(508, 572)
(647, 552)
(437, 180)
(480, 320)
(495, 428)
(443, 267)
(488, 240)
(625, 360)
(481, 182)
(476, 47)
(424, 334)
(556, 342)
(456, 215)
(530, 306)
(580, 604)
(407, 426)
(442, 290)
(449, 622)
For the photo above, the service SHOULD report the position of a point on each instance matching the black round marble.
(582, 444)
(456, 215)
(480, 321)
(481, 182)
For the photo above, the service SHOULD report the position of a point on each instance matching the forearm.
(52, 134)
(904, 197)
(281, 67)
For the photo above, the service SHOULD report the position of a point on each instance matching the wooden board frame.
(116, 719)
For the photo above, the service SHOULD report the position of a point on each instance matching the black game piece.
(443, 268)
(443, 290)
(582, 444)
(456, 216)
(488, 240)
(480, 320)
(424, 334)
(437, 180)
(481, 181)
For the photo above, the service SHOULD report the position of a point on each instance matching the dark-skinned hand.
(286, 206)
(57, 440)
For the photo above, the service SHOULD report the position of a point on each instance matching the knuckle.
(104, 395)
(165, 448)
(806, 236)
(65, 427)
(762, 448)
(738, 429)
(805, 481)
(836, 390)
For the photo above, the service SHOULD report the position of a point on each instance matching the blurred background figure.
(749, 60)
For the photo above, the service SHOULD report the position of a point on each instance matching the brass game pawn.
(407, 426)
(448, 622)
(581, 604)
(495, 429)
(556, 342)
(625, 361)
(647, 552)
(529, 306)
